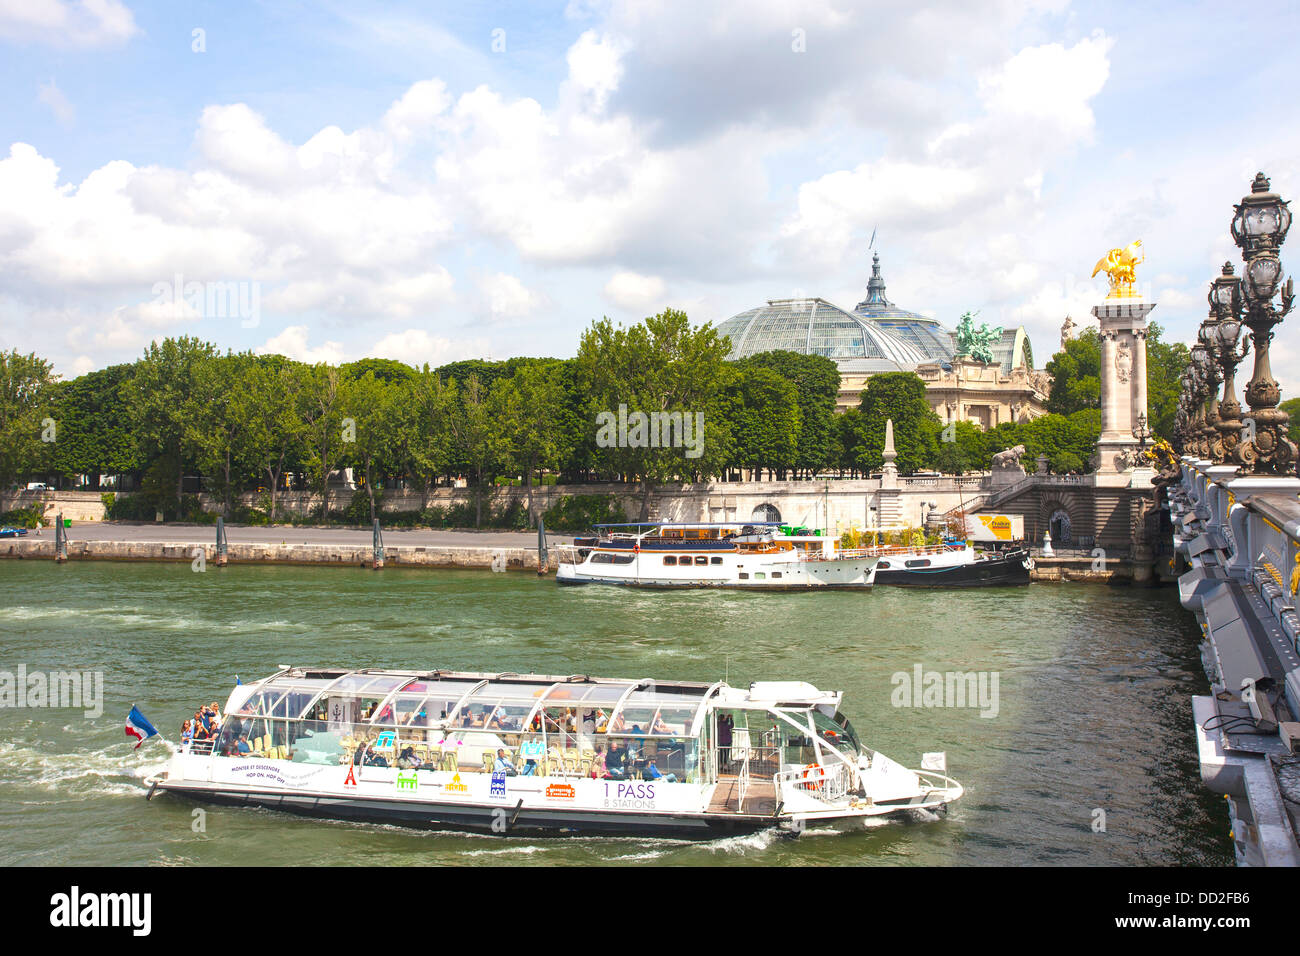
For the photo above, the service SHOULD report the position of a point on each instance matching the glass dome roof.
(815, 327)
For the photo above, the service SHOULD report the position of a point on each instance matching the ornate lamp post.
(1200, 390)
(1259, 227)
(1230, 349)
(1207, 349)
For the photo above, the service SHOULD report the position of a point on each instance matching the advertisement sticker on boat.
(456, 786)
(274, 773)
(406, 782)
(630, 796)
(498, 790)
(560, 791)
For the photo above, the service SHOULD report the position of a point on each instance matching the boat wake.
(107, 771)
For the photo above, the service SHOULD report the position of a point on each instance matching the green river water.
(1093, 710)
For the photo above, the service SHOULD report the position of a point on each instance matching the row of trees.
(245, 421)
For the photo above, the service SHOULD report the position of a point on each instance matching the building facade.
(878, 336)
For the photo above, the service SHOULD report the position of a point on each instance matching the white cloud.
(504, 296)
(63, 110)
(634, 292)
(67, 23)
(417, 346)
(292, 343)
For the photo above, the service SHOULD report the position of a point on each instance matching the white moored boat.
(510, 754)
(751, 555)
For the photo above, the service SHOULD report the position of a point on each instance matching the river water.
(1087, 758)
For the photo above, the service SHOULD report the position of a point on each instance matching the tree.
(218, 422)
(899, 396)
(373, 409)
(665, 374)
(273, 387)
(817, 380)
(765, 419)
(324, 434)
(26, 395)
(527, 409)
(94, 434)
(1076, 375)
(427, 443)
(476, 436)
(159, 399)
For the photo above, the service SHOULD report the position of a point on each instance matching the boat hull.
(1009, 569)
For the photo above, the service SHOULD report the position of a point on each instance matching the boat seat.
(449, 761)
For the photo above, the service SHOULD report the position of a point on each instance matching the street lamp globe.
(1225, 293)
(1261, 219)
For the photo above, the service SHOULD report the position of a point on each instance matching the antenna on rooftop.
(873, 237)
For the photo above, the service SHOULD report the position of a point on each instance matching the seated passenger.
(598, 765)
(409, 760)
(242, 749)
(616, 762)
(653, 773)
(658, 726)
(502, 765)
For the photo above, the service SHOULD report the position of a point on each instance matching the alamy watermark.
(212, 300)
(652, 430)
(82, 690)
(961, 689)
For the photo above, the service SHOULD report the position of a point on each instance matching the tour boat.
(533, 754)
(753, 555)
(953, 565)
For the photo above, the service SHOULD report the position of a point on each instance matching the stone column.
(1140, 375)
(1123, 384)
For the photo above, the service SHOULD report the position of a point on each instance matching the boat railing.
(199, 748)
(829, 783)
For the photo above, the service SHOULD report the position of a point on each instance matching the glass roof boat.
(536, 754)
(751, 554)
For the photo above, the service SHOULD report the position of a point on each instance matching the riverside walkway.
(1237, 539)
(118, 541)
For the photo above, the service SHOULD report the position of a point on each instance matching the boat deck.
(760, 799)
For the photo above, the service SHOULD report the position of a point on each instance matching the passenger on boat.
(598, 764)
(652, 772)
(409, 760)
(616, 762)
(241, 748)
(657, 726)
(531, 750)
(503, 765)
(187, 732)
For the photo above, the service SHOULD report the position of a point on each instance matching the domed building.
(878, 336)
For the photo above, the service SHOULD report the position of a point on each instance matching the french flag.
(138, 726)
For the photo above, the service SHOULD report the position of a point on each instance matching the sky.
(437, 181)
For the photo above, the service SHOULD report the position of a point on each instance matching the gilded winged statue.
(1120, 267)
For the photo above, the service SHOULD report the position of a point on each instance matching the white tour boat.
(515, 754)
(727, 555)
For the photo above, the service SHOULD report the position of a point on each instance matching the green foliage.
(817, 382)
(32, 516)
(899, 396)
(26, 399)
(574, 514)
(1292, 407)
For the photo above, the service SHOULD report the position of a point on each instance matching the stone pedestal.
(1123, 381)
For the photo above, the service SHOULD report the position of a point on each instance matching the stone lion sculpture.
(1009, 460)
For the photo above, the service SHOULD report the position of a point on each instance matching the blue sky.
(442, 180)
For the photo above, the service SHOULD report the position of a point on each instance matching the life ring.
(812, 776)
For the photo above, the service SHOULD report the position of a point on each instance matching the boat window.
(715, 560)
(849, 732)
(834, 734)
(744, 575)
(882, 564)
(684, 559)
(670, 559)
(605, 557)
(776, 574)
(918, 563)
(701, 559)
(760, 575)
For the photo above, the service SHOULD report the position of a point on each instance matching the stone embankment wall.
(338, 555)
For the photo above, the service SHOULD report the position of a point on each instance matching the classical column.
(1140, 374)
